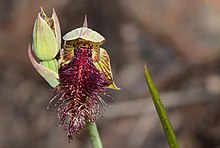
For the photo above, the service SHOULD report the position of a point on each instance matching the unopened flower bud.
(46, 36)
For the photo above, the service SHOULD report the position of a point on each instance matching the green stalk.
(161, 111)
(93, 134)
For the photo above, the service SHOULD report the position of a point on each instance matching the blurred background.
(178, 40)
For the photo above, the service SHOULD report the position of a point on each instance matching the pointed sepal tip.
(85, 23)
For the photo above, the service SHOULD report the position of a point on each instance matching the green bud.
(46, 36)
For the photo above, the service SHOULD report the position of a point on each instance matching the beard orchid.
(78, 72)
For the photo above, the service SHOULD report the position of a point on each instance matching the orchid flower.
(79, 72)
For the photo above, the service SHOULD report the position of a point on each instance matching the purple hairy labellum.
(79, 72)
(80, 85)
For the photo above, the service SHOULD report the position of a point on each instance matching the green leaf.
(161, 111)
(50, 76)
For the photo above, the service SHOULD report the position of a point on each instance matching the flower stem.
(161, 111)
(93, 134)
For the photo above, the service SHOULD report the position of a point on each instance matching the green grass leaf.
(161, 111)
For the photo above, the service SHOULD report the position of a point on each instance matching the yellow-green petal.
(103, 65)
(95, 52)
(50, 76)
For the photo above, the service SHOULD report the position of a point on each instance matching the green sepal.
(50, 76)
(52, 65)
(103, 65)
(45, 45)
(84, 33)
(113, 86)
(57, 29)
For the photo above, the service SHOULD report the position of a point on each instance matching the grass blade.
(161, 111)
